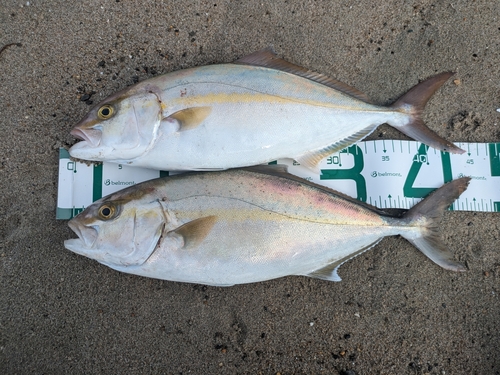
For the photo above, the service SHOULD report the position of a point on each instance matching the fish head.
(120, 128)
(119, 230)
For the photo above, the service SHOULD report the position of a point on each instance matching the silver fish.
(244, 226)
(258, 109)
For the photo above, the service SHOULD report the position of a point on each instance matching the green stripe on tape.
(494, 149)
(63, 153)
(97, 186)
(409, 190)
(353, 173)
(64, 213)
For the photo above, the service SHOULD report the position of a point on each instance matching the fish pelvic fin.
(426, 214)
(413, 103)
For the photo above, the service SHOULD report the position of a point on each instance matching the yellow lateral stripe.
(239, 215)
(222, 98)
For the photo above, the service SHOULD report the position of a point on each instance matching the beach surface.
(395, 312)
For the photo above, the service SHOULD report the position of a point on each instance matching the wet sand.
(395, 312)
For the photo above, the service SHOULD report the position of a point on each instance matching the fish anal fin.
(311, 159)
(194, 232)
(191, 118)
(267, 58)
(329, 272)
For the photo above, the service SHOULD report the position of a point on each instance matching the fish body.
(256, 110)
(244, 226)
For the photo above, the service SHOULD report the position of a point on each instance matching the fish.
(256, 110)
(248, 225)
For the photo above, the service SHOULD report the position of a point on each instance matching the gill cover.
(120, 128)
(117, 235)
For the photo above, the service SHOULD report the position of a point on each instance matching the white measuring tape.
(398, 174)
(384, 173)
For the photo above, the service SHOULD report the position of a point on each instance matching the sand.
(395, 312)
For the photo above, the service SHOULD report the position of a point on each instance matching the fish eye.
(105, 112)
(106, 212)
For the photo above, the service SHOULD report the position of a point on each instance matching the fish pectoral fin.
(196, 231)
(267, 58)
(190, 118)
(330, 272)
(311, 159)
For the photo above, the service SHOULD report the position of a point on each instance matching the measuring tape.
(398, 174)
(384, 173)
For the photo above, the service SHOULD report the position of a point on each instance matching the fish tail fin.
(426, 214)
(413, 103)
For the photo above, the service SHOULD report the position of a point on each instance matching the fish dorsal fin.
(194, 232)
(190, 118)
(330, 272)
(267, 58)
(273, 169)
(311, 159)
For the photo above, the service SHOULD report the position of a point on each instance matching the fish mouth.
(92, 137)
(87, 236)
